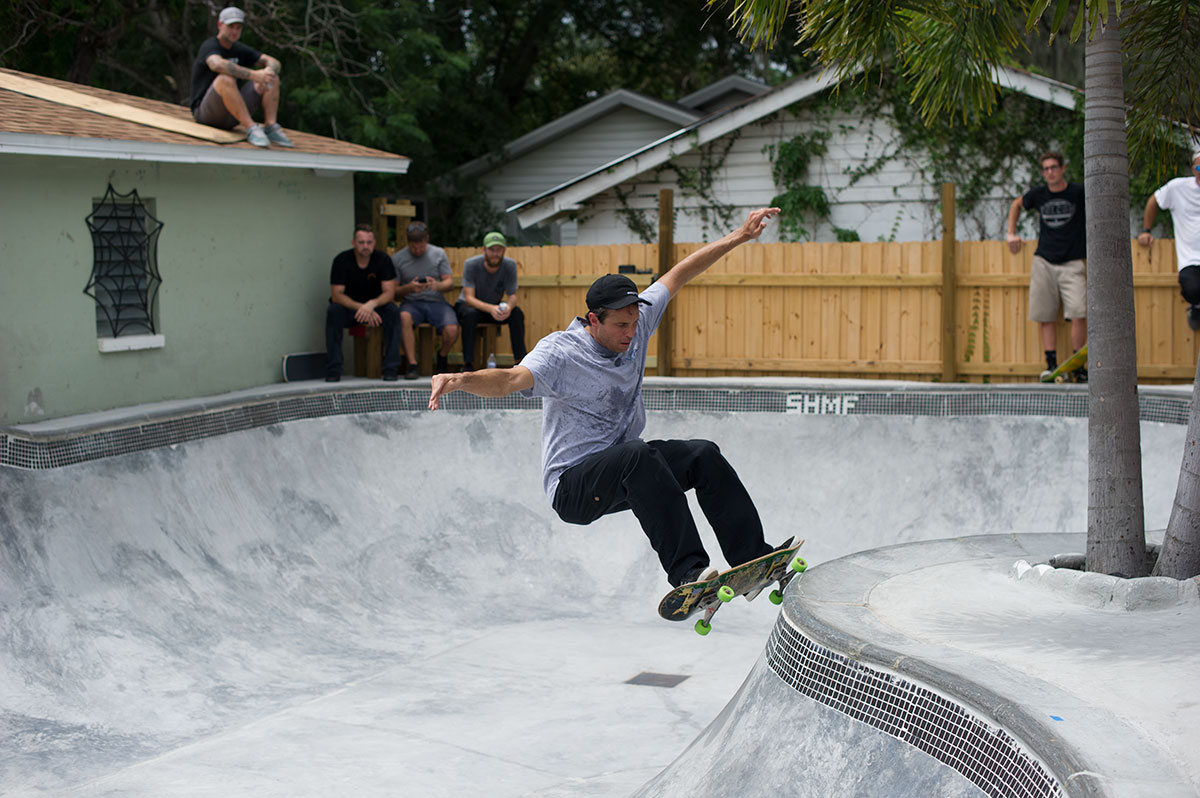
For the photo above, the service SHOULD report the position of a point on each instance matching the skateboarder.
(594, 462)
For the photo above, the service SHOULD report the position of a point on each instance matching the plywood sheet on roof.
(117, 110)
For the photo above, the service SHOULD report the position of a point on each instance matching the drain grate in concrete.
(652, 679)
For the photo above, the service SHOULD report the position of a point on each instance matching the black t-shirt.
(202, 76)
(1062, 235)
(362, 285)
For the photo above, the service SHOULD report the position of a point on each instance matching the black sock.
(1051, 359)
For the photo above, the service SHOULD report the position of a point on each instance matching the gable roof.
(584, 115)
(44, 116)
(569, 196)
(725, 91)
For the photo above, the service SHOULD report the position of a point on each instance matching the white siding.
(574, 154)
(890, 204)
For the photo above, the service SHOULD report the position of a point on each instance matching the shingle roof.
(26, 121)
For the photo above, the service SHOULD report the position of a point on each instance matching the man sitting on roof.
(226, 90)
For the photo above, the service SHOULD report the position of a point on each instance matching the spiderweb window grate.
(125, 279)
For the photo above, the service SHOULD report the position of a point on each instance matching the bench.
(368, 348)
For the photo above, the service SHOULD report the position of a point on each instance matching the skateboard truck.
(710, 604)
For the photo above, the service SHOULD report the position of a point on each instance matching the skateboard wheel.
(702, 627)
(799, 566)
(726, 594)
(776, 597)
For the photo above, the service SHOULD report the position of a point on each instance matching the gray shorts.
(212, 111)
(1049, 281)
(437, 313)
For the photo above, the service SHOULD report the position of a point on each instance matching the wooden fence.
(871, 310)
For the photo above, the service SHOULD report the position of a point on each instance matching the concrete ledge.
(897, 609)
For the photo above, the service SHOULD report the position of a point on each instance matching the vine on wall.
(986, 157)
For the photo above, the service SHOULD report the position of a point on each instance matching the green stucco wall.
(244, 257)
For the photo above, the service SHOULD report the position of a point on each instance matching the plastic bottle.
(503, 306)
(491, 361)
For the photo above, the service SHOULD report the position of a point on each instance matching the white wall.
(890, 204)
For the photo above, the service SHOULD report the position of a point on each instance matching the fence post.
(949, 286)
(666, 259)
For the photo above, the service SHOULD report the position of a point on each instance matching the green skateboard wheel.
(776, 597)
(799, 565)
(726, 594)
(702, 628)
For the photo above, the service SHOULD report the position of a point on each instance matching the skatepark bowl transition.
(328, 590)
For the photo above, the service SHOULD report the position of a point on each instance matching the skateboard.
(746, 580)
(303, 366)
(1067, 370)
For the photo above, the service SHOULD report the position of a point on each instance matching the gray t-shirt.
(490, 288)
(591, 397)
(432, 263)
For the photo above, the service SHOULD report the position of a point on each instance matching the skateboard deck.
(304, 366)
(748, 578)
(1072, 364)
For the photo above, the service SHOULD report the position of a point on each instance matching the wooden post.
(382, 215)
(666, 259)
(949, 286)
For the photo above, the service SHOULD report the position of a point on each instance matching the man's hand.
(365, 314)
(443, 384)
(498, 314)
(263, 79)
(1144, 239)
(1014, 243)
(756, 222)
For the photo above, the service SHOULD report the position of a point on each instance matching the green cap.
(494, 240)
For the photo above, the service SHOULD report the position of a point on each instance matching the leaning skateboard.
(746, 579)
(1068, 369)
(303, 366)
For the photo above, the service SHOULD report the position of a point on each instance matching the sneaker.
(1081, 375)
(443, 365)
(257, 137)
(1045, 375)
(276, 135)
(1193, 317)
(468, 366)
(411, 374)
(333, 376)
(700, 573)
(390, 375)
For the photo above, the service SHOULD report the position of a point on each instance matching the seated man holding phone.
(422, 274)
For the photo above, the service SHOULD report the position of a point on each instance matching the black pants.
(1189, 283)
(650, 478)
(339, 317)
(469, 318)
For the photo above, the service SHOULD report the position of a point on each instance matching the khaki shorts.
(1048, 281)
(212, 111)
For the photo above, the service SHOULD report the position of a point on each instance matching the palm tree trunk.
(1180, 556)
(1116, 539)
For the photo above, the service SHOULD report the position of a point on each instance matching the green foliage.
(798, 201)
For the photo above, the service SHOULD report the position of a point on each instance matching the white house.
(604, 130)
(728, 147)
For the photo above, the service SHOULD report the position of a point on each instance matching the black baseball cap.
(613, 291)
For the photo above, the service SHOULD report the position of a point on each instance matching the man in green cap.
(489, 296)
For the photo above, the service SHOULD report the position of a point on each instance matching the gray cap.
(231, 15)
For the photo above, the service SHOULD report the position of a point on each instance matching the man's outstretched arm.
(681, 273)
(492, 383)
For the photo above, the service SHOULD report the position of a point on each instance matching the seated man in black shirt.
(231, 80)
(362, 283)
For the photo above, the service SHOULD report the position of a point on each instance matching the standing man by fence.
(1181, 197)
(1059, 267)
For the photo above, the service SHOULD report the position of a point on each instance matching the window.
(125, 278)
